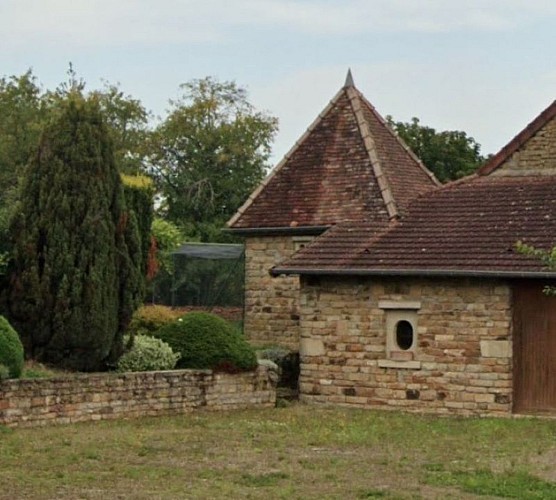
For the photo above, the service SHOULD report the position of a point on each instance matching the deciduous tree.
(209, 154)
(127, 121)
(449, 154)
(22, 110)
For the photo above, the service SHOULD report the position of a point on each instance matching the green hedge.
(138, 194)
(208, 341)
(11, 350)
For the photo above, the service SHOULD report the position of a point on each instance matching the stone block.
(401, 365)
(496, 348)
(401, 355)
(484, 398)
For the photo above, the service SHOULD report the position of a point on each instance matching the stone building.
(432, 308)
(348, 166)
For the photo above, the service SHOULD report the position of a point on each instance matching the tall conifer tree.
(77, 261)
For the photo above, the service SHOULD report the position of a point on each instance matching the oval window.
(404, 335)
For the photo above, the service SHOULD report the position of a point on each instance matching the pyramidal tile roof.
(349, 165)
(467, 227)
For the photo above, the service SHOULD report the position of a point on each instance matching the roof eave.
(277, 271)
(276, 231)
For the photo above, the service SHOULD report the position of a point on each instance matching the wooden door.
(534, 349)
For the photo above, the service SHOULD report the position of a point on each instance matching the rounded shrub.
(4, 372)
(11, 349)
(148, 319)
(208, 341)
(147, 354)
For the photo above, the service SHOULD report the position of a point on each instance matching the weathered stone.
(448, 370)
(496, 348)
(537, 157)
(271, 304)
(107, 396)
(311, 347)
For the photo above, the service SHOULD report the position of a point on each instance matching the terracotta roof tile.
(331, 175)
(469, 226)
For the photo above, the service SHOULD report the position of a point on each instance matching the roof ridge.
(519, 140)
(400, 141)
(384, 186)
(241, 210)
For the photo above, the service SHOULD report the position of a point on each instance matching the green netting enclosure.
(203, 276)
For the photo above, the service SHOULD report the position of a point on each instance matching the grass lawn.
(295, 452)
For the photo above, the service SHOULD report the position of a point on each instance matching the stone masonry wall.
(461, 363)
(271, 304)
(25, 403)
(538, 156)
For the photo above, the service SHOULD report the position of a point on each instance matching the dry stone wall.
(271, 304)
(78, 398)
(461, 363)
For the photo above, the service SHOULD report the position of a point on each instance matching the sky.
(487, 67)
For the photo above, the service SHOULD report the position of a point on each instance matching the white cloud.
(101, 23)
(359, 16)
(490, 94)
(84, 23)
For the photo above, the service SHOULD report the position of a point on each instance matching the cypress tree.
(138, 194)
(77, 274)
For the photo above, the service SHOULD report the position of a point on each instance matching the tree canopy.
(22, 109)
(208, 155)
(22, 113)
(26, 108)
(449, 154)
(128, 126)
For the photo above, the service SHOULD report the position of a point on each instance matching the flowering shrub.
(148, 319)
(148, 354)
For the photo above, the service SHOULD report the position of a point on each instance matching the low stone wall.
(111, 395)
